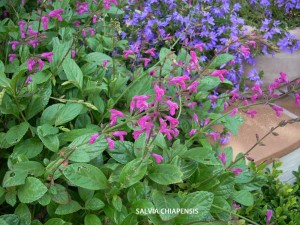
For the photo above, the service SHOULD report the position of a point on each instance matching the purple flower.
(56, 13)
(222, 157)
(28, 80)
(269, 215)
(225, 138)
(45, 21)
(158, 158)
(236, 171)
(93, 138)
(12, 57)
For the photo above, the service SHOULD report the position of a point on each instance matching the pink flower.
(34, 43)
(297, 99)
(111, 143)
(158, 158)
(105, 63)
(93, 138)
(256, 88)
(206, 121)
(234, 94)
(41, 64)
(278, 110)
(269, 215)
(236, 171)
(180, 81)
(195, 117)
(192, 105)
(284, 77)
(251, 43)
(56, 13)
(139, 102)
(222, 157)
(73, 54)
(120, 134)
(225, 106)
(245, 51)
(22, 25)
(253, 98)
(94, 19)
(219, 73)
(199, 46)
(14, 44)
(28, 80)
(214, 135)
(246, 102)
(45, 21)
(92, 31)
(12, 57)
(173, 122)
(137, 133)
(76, 23)
(83, 32)
(273, 86)
(150, 51)
(47, 55)
(146, 61)
(193, 86)
(113, 117)
(106, 3)
(192, 132)
(158, 92)
(251, 113)
(233, 112)
(32, 32)
(194, 59)
(30, 64)
(127, 53)
(172, 106)
(82, 8)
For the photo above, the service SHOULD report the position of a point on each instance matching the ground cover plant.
(99, 127)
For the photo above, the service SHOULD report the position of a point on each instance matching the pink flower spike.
(41, 64)
(56, 13)
(269, 215)
(93, 138)
(192, 105)
(297, 99)
(30, 64)
(256, 88)
(28, 80)
(278, 110)
(146, 61)
(173, 122)
(234, 111)
(158, 158)
(193, 86)
(111, 143)
(113, 117)
(245, 51)
(150, 51)
(127, 53)
(195, 117)
(158, 92)
(73, 54)
(251, 113)
(14, 44)
(222, 157)
(22, 25)
(172, 106)
(199, 46)
(105, 63)
(47, 55)
(92, 31)
(12, 57)
(284, 77)
(45, 21)
(219, 73)
(206, 121)
(214, 135)
(236, 171)
(192, 132)
(120, 134)
(83, 32)
(194, 59)
(246, 102)
(94, 19)
(180, 81)
(253, 98)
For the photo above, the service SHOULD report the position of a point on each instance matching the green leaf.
(50, 141)
(87, 152)
(220, 60)
(60, 50)
(117, 203)
(243, 197)
(233, 122)
(131, 219)
(68, 113)
(29, 147)
(10, 219)
(59, 194)
(15, 133)
(94, 204)
(115, 11)
(85, 194)
(4, 81)
(11, 198)
(199, 202)
(92, 219)
(165, 174)
(123, 152)
(30, 167)
(198, 154)
(226, 186)
(49, 115)
(98, 58)
(139, 88)
(47, 129)
(38, 101)
(132, 172)
(163, 202)
(32, 190)
(140, 145)
(69, 208)
(12, 178)
(55, 221)
(45, 200)
(86, 176)
(73, 72)
(24, 213)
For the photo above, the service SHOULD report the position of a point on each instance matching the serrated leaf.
(50, 113)
(94, 204)
(69, 208)
(32, 190)
(86, 176)
(132, 172)
(220, 60)
(15, 133)
(165, 174)
(68, 113)
(243, 197)
(162, 202)
(123, 152)
(73, 72)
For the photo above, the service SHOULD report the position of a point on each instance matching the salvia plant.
(96, 129)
